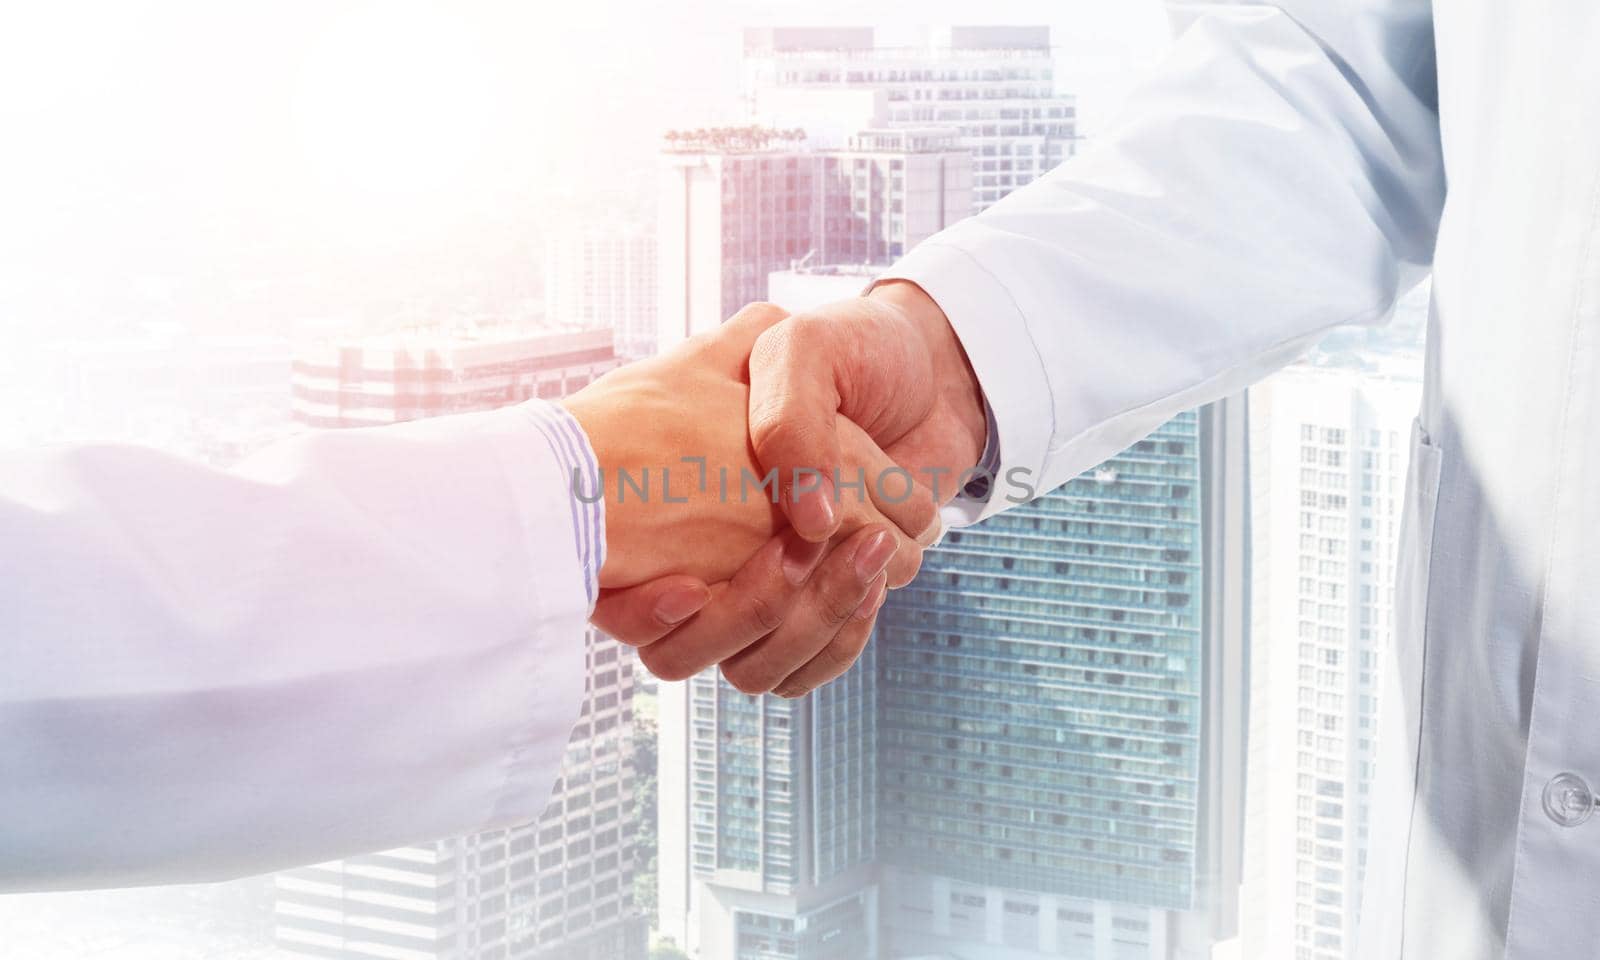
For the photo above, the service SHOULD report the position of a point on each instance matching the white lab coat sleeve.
(1279, 175)
(358, 639)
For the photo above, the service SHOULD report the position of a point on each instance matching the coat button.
(1568, 800)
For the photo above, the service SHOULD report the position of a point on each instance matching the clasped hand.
(767, 483)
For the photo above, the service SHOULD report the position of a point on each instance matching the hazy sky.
(236, 165)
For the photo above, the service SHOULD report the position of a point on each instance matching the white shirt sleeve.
(357, 639)
(1280, 175)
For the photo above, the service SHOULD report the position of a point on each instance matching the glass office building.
(994, 86)
(768, 819)
(1028, 762)
(1041, 687)
(1040, 711)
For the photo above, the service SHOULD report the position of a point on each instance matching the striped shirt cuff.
(570, 447)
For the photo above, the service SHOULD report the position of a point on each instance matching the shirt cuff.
(994, 332)
(973, 498)
(570, 447)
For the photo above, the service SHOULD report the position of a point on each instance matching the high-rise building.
(604, 277)
(1328, 449)
(767, 821)
(1026, 763)
(557, 889)
(1041, 752)
(1045, 780)
(993, 85)
(737, 204)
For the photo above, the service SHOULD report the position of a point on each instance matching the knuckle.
(837, 597)
(790, 343)
(783, 433)
(764, 310)
(765, 614)
(841, 654)
(772, 347)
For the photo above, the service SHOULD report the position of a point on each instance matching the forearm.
(360, 638)
(1279, 176)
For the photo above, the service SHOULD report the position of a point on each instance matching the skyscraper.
(767, 820)
(604, 278)
(1024, 764)
(1040, 753)
(557, 888)
(1043, 745)
(736, 204)
(993, 85)
(1328, 450)
(1045, 781)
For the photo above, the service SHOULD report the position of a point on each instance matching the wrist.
(959, 389)
(572, 453)
(593, 426)
(666, 440)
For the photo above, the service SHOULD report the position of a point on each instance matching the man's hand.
(681, 483)
(794, 617)
(889, 363)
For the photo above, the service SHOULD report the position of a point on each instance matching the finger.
(897, 495)
(842, 651)
(793, 405)
(837, 589)
(911, 504)
(644, 614)
(730, 344)
(741, 611)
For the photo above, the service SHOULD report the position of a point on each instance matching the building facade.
(1328, 451)
(1027, 761)
(560, 888)
(377, 380)
(994, 86)
(604, 278)
(739, 203)
(767, 810)
(1046, 783)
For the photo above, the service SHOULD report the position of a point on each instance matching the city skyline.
(1042, 751)
(894, 813)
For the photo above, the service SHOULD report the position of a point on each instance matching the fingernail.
(800, 557)
(873, 600)
(681, 603)
(813, 510)
(874, 556)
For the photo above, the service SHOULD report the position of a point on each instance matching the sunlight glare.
(396, 100)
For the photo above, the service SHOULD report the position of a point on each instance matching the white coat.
(1298, 165)
(358, 639)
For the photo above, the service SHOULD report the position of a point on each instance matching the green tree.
(643, 812)
(667, 950)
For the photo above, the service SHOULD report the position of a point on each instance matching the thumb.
(794, 402)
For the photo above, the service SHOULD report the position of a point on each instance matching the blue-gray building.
(1039, 755)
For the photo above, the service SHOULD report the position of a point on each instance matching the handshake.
(766, 484)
